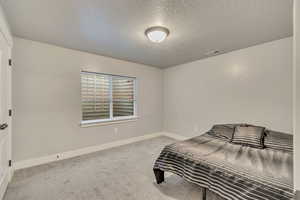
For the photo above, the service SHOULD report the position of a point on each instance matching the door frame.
(6, 34)
(11, 169)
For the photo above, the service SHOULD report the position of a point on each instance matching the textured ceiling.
(116, 28)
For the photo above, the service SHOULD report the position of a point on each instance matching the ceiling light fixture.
(157, 34)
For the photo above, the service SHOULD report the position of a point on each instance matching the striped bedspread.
(232, 171)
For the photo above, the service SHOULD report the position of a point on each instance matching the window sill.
(85, 124)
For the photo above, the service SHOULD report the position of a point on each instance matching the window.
(107, 97)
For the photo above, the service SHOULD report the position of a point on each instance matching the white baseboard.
(174, 136)
(70, 154)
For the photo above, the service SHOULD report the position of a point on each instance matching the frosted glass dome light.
(157, 34)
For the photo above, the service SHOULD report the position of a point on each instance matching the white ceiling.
(116, 28)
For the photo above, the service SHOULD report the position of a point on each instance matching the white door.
(5, 119)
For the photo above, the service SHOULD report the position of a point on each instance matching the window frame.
(111, 118)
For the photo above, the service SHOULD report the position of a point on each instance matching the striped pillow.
(224, 131)
(251, 136)
(278, 141)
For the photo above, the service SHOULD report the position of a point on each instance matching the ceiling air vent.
(213, 53)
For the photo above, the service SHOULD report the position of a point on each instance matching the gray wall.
(46, 100)
(251, 85)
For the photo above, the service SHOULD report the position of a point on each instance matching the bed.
(232, 171)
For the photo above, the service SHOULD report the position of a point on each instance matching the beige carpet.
(122, 173)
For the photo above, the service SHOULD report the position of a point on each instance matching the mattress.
(229, 170)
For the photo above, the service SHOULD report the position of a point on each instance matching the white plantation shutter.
(106, 97)
(95, 96)
(123, 96)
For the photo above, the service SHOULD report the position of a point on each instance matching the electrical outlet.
(116, 130)
(196, 128)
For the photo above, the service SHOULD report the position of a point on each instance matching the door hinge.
(9, 163)
(10, 112)
(9, 62)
